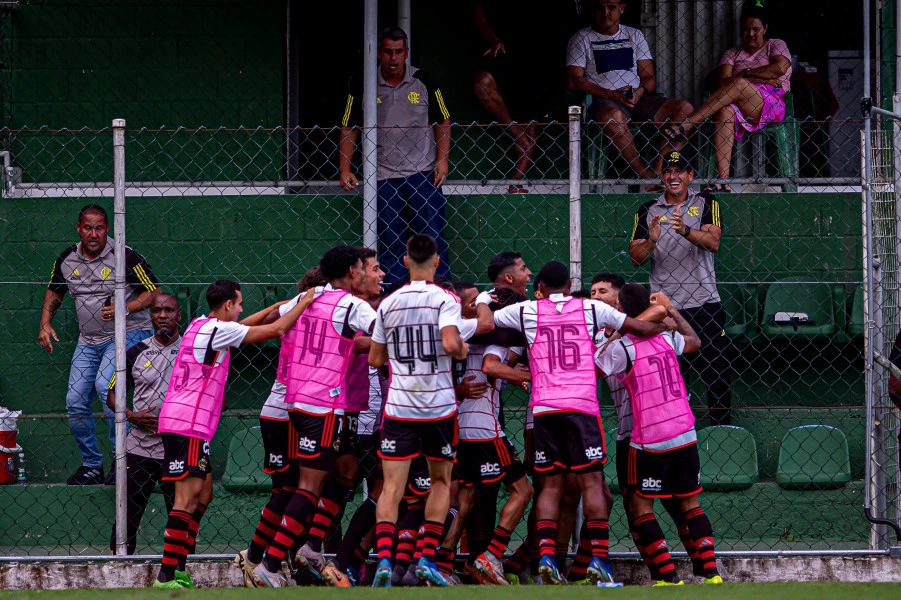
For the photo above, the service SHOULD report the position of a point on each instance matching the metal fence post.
(370, 133)
(119, 315)
(575, 196)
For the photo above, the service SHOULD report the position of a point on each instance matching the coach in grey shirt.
(679, 232)
(87, 272)
(414, 137)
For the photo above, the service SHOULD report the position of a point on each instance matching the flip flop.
(720, 188)
(674, 133)
(655, 188)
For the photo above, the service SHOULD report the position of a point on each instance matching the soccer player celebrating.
(663, 457)
(417, 330)
(316, 393)
(567, 433)
(190, 413)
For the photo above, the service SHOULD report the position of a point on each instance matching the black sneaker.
(86, 476)
(110, 478)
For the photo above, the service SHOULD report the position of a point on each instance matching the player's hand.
(307, 298)
(497, 48)
(45, 335)
(349, 181)
(676, 223)
(654, 228)
(670, 324)
(661, 299)
(469, 388)
(440, 175)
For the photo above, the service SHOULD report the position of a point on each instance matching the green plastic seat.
(728, 458)
(856, 323)
(813, 299)
(740, 305)
(243, 469)
(813, 457)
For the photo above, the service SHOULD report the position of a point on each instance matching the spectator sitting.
(613, 63)
(753, 81)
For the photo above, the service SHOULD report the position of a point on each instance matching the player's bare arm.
(259, 318)
(485, 319)
(692, 341)
(262, 333)
(453, 344)
(378, 354)
(495, 367)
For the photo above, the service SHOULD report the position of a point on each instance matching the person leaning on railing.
(753, 81)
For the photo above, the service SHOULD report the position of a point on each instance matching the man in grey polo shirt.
(87, 271)
(679, 232)
(413, 147)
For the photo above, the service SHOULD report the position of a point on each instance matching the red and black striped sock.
(579, 569)
(420, 542)
(519, 559)
(547, 537)
(175, 543)
(357, 558)
(655, 544)
(652, 568)
(500, 539)
(332, 500)
(290, 529)
(384, 539)
(561, 550)
(360, 525)
(702, 534)
(270, 518)
(444, 559)
(599, 537)
(407, 531)
(674, 509)
(193, 530)
(432, 531)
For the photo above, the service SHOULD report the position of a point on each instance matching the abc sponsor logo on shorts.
(275, 459)
(490, 469)
(447, 450)
(389, 445)
(594, 453)
(206, 447)
(423, 482)
(306, 443)
(176, 466)
(540, 457)
(650, 484)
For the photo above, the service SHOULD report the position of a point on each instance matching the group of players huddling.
(402, 387)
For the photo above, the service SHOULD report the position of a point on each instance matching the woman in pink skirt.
(753, 81)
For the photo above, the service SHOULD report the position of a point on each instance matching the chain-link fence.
(787, 434)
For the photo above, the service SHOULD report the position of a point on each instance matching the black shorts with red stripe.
(406, 439)
(317, 438)
(184, 456)
(419, 482)
(348, 439)
(279, 445)
(488, 461)
(564, 441)
(664, 474)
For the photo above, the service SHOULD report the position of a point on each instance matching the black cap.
(554, 274)
(675, 159)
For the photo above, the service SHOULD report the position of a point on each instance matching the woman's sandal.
(718, 188)
(674, 133)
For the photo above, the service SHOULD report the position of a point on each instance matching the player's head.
(342, 267)
(506, 297)
(605, 287)
(535, 283)
(92, 228)
(422, 254)
(224, 298)
(443, 282)
(371, 284)
(554, 276)
(312, 278)
(581, 293)
(508, 269)
(634, 299)
(467, 293)
(392, 51)
(165, 313)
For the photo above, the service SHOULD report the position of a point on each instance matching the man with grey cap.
(679, 232)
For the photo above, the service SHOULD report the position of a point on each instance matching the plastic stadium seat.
(856, 323)
(728, 458)
(812, 299)
(243, 469)
(813, 457)
(740, 305)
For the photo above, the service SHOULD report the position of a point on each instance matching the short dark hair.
(500, 263)
(365, 253)
(393, 33)
(221, 291)
(554, 274)
(462, 286)
(337, 262)
(443, 282)
(506, 297)
(581, 293)
(312, 278)
(613, 279)
(634, 299)
(421, 248)
(92, 208)
(752, 11)
(164, 296)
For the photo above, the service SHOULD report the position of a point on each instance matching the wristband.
(483, 298)
(687, 231)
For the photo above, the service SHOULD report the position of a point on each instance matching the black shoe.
(86, 476)
(110, 478)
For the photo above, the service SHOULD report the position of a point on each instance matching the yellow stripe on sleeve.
(715, 207)
(112, 382)
(441, 106)
(634, 227)
(346, 118)
(144, 278)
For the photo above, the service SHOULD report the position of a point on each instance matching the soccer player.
(148, 366)
(663, 452)
(279, 450)
(417, 330)
(190, 413)
(316, 394)
(567, 435)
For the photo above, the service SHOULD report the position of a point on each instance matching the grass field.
(769, 591)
